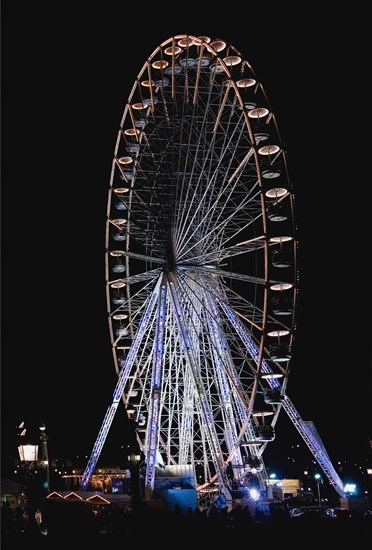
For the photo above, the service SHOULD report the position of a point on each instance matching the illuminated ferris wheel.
(200, 267)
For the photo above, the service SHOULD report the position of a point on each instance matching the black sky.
(67, 71)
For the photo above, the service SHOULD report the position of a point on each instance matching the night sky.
(68, 68)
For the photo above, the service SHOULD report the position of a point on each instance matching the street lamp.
(134, 459)
(27, 449)
(44, 459)
(319, 481)
(28, 454)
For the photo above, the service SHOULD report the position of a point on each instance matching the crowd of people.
(80, 525)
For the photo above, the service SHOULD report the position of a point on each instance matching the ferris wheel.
(200, 268)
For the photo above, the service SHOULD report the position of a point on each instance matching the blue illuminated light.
(152, 440)
(254, 494)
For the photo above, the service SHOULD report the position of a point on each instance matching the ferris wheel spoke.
(251, 315)
(134, 308)
(251, 245)
(228, 144)
(221, 202)
(211, 235)
(238, 225)
(132, 318)
(208, 193)
(211, 295)
(244, 308)
(144, 257)
(236, 218)
(185, 212)
(251, 346)
(229, 274)
(218, 231)
(139, 278)
(143, 204)
(143, 292)
(183, 159)
(221, 108)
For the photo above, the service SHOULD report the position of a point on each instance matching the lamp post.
(319, 481)
(133, 459)
(44, 459)
(27, 448)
